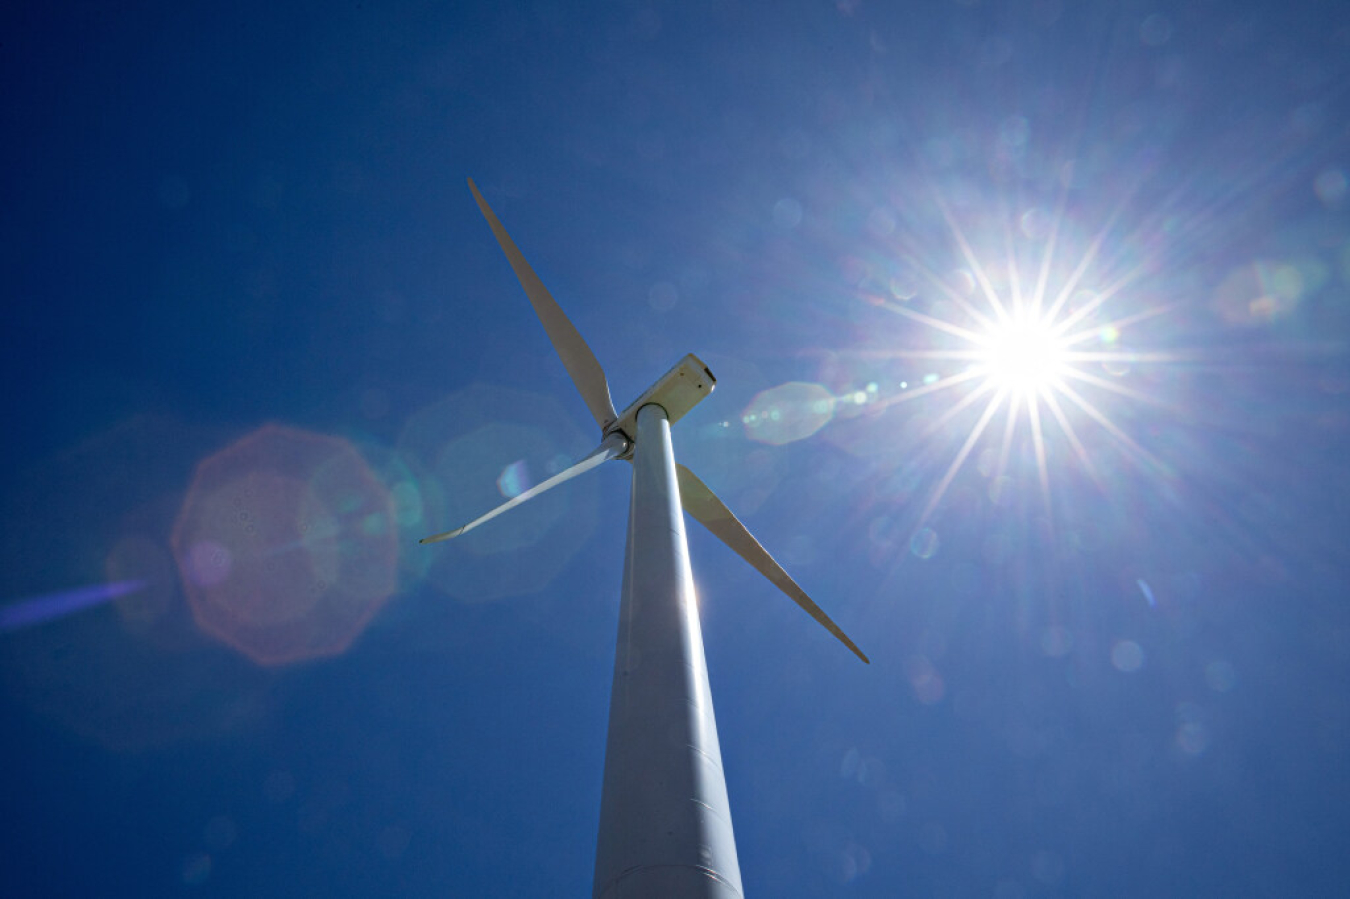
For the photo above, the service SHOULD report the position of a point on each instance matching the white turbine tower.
(665, 823)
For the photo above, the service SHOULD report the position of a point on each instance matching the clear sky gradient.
(259, 340)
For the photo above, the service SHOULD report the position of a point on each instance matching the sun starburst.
(1043, 359)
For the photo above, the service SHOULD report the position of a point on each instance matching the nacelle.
(679, 390)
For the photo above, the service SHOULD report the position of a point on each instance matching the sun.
(1022, 356)
(1039, 359)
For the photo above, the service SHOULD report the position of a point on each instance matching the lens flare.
(286, 544)
(40, 609)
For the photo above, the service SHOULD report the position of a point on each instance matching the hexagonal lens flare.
(286, 544)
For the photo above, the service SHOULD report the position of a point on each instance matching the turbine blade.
(611, 447)
(576, 356)
(713, 514)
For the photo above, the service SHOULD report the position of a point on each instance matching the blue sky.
(247, 291)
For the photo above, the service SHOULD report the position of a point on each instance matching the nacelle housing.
(679, 390)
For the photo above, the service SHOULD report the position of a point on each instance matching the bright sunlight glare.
(1022, 355)
(1029, 355)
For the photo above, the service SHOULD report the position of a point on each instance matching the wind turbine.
(665, 823)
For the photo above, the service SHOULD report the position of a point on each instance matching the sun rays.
(1032, 365)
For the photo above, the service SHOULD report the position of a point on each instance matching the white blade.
(576, 356)
(713, 514)
(612, 447)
